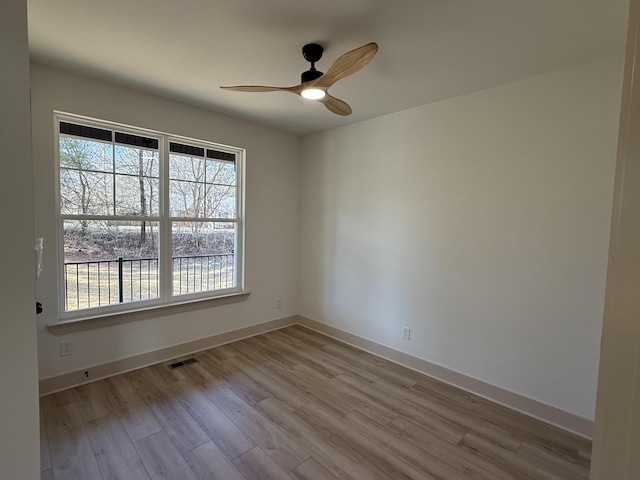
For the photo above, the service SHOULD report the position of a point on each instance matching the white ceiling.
(429, 50)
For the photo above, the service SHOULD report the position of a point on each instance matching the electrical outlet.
(406, 333)
(278, 303)
(66, 348)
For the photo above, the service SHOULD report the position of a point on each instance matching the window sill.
(115, 318)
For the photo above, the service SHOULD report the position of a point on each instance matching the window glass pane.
(222, 173)
(86, 193)
(136, 195)
(186, 199)
(136, 161)
(204, 256)
(221, 190)
(83, 154)
(183, 167)
(221, 201)
(109, 262)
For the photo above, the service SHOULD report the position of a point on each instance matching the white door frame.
(616, 442)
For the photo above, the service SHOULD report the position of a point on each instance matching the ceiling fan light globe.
(313, 93)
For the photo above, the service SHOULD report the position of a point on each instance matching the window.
(145, 218)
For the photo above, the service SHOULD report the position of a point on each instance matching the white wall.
(271, 213)
(19, 441)
(481, 222)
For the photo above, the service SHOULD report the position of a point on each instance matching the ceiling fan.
(314, 84)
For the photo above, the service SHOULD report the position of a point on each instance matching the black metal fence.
(106, 282)
(203, 273)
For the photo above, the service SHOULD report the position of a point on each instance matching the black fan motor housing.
(310, 75)
(312, 52)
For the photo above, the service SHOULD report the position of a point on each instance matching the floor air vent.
(182, 363)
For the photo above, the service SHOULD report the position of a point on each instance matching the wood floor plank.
(199, 374)
(138, 420)
(343, 463)
(438, 395)
(148, 383)
(392, 371)
(392, 400)
(118, 388)
(344, 437)
(312, 469)
(373, 364)
(309, 390)
(432, 443)
(117, 391)
(436, 459)
(250, 391)
(209, 463)
(258, 349)
(271, 386)
(71, 453)
(551, 463)
(162, 460)
(390, 464)
(337, 363)
(58, 399)
(530, 429)
(257, 465)
(284, 452)
(295, 404)
(165, 374)
(305, 335)
(503, 458)
(179, 425)
(303, 354)
(350, 368)
(227, 436)
(157, 391)
(453, 413)
(356, 400)
(224, 352)
(218, 375)
(114, 451)
(436, 387)
(418, 424)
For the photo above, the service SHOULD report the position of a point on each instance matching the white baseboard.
(544, 412)
(97, 372)
(533, 408)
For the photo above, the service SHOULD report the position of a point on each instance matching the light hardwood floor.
(294, 404)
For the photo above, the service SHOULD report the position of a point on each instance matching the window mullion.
(239, 237)
(165, 244)
(113, 174)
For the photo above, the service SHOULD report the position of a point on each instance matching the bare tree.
(85, 186)
(143, 199)
(137, 177)
(97, 178)
(201, 188)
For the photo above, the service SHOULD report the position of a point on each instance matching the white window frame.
(165, 298)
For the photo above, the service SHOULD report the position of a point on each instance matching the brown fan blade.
(336, 105)
(263, 88)
(347, 64)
